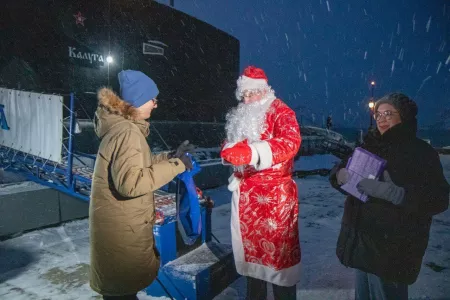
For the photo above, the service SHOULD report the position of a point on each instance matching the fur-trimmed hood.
(109, 101)
(112, 111)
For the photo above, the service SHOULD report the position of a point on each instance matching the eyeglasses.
(250, 93)
(387, 114)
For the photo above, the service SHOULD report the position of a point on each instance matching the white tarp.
(34, 121)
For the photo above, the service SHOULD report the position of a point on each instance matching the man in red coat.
(263, 136)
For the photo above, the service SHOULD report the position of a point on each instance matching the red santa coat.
(264, 213)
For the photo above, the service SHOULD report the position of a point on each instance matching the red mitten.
(239, 154)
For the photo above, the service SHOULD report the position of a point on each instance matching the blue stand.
(199, 274)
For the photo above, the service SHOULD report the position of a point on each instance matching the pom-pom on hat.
(252, 79)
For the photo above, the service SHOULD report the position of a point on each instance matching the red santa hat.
(252, 79)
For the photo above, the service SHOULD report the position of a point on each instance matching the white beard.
(248, 121)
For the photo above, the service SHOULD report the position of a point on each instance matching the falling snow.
(401, 54)
(442, 46)
(428, 24)
(439, 67)
(423, 83)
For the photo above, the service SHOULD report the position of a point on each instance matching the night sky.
(320, 55)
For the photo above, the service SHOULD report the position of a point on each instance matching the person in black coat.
(385, 238)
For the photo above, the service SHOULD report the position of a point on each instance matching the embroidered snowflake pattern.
(263, 199)
(270, 224)
(242, 159)
(248, 245)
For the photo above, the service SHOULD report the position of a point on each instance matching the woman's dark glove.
(184, 148)
(186, 161)
(386, 189)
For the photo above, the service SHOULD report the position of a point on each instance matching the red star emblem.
(79, 19)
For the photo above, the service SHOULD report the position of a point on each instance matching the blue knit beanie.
(136, 88)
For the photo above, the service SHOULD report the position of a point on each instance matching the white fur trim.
(233, 183)
(246, 83)
(255, 156)
(284, 277)
(265, 155)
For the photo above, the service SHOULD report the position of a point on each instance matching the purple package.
(362, 164)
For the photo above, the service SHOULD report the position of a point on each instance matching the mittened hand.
(369, 187)
(184, 147)
(342, 176)
(186, 160)
(386, 189)
(239, 154)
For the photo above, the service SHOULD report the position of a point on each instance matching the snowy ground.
(53, 263)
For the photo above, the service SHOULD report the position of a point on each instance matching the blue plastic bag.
(188, 207)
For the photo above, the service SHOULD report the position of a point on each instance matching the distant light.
(371, 104)
(109, 59)
(372, 83)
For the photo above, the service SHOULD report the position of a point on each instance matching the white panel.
(35, 123)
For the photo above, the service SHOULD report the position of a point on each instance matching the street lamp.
(371, 103)
(372, 84)
(371, 106)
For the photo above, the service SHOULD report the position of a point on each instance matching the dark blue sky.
(321, 55)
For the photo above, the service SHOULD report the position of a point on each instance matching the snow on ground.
(53, 263)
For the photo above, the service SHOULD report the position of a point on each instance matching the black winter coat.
(384, 239)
